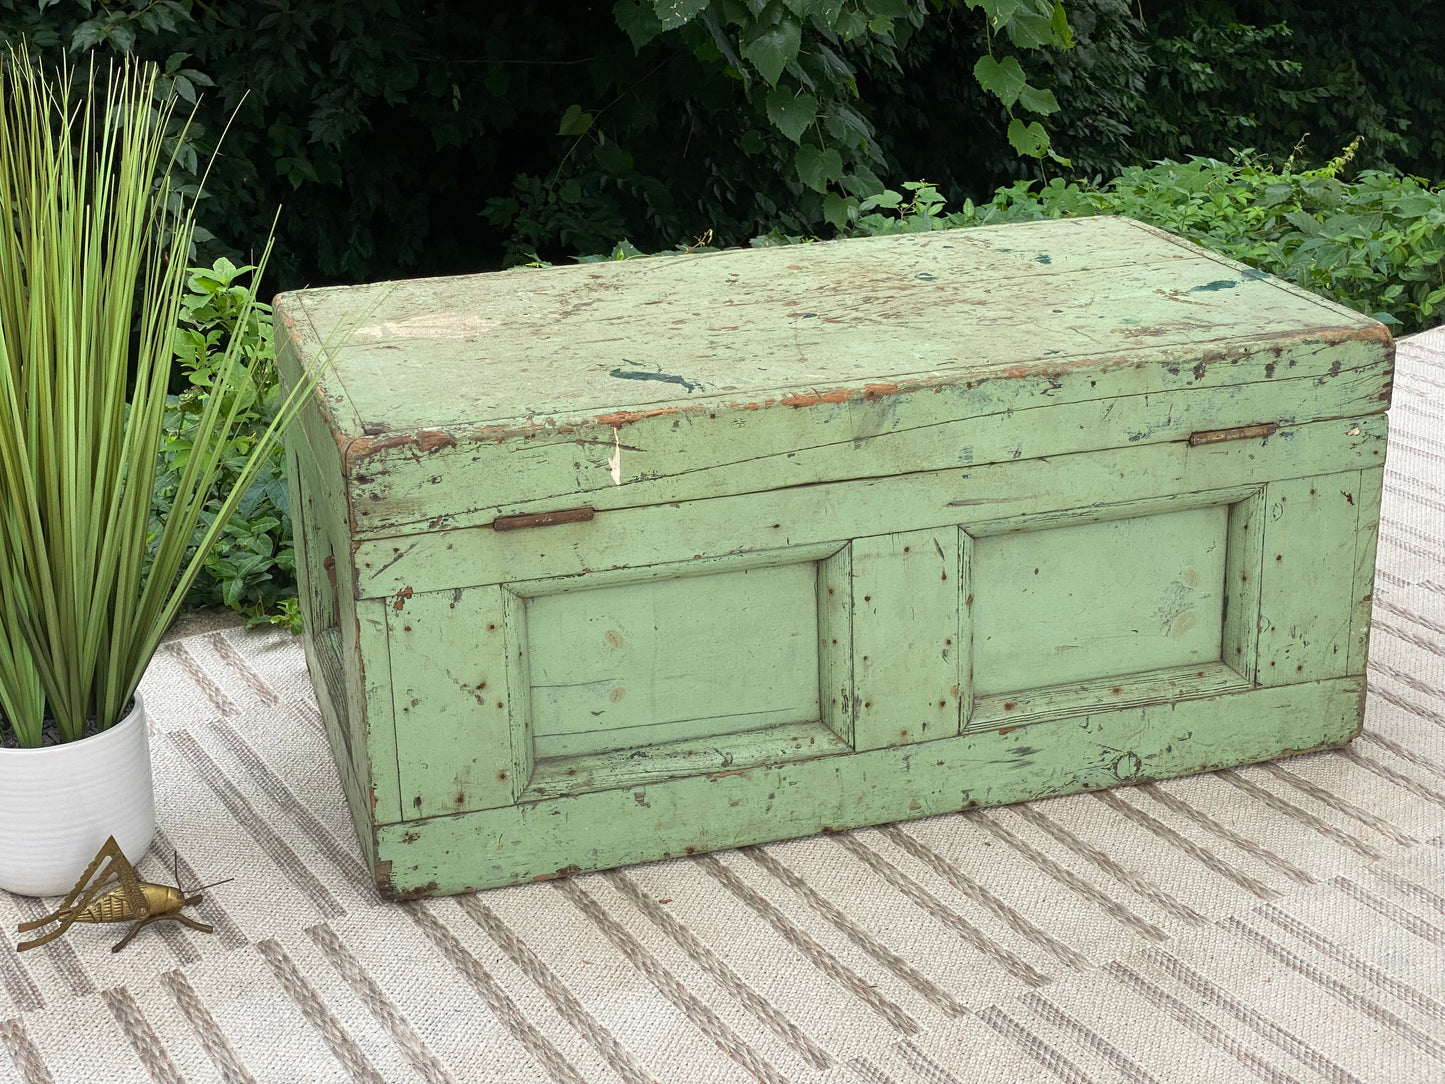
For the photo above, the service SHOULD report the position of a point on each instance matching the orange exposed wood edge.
(841, 395)
(427, 440)
(627, 417)
(543, 519)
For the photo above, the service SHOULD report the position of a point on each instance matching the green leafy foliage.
(1268, 73)
(486, 135)
(774, 81)
(1076, 103)
(1173, 79)
(252, 568)
(1376, 244)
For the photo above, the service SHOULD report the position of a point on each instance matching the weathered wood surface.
(440, 425)
(824, 536)
(1098, 599)
(661, 661)
(489, 350)
(906, 620)
(813, 514)
(733, 807)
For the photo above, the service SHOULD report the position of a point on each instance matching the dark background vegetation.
(444, 136)
(408, 139)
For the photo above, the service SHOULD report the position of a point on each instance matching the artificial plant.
(93, 256)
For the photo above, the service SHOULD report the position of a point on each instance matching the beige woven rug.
(1284, 922)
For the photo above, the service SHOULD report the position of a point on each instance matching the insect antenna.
(213, 884)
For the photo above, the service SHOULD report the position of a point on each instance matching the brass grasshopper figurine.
(133, 900)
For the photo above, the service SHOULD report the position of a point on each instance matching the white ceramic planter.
(58, 804)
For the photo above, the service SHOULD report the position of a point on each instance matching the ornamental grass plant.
(93, 270)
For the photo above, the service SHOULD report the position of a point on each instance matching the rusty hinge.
(543, 519)
(1243, 432)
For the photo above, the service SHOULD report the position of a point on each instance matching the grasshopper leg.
(193, 924)
(35, 924)
(133, 931)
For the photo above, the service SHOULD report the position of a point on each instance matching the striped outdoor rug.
(1284, 922)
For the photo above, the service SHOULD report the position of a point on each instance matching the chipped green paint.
(620, 561)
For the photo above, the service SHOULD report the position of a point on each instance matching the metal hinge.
(543, 519)
(1243, 432)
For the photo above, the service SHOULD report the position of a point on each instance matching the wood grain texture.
(1098, 599)
(1367, 536)
(808, 314)
(371, 661)
(1164, 684)
(689, 812)
(1140, 359)
(873, 529)
(519, 690)
(906, 656)
(663, 459)
(815, 514)
(1307, 599)
(637, 664)
(1243, 575)
(835, 643)
(449, 689)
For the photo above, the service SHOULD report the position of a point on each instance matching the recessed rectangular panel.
(1099, 599)
(673, 659)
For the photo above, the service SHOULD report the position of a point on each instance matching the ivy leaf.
(1030, 29)
(574, 122)
(816, 167)
(862, 182)
(791, 114)
(613, 158)
(1029, 139)
(1004, 80)
(1038, 101)
(121, 37)
(86, 35)
(773, 48)
(839, 210)
(640, 22)
(999, 12)
(851, 24)
(1059, 22)
(674, 13)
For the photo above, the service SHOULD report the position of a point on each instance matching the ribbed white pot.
(58, 804)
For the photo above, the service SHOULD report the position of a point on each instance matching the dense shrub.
(1176, 78)
(253, 568)
(1267, 73)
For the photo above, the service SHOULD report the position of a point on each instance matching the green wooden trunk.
(621, 561)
